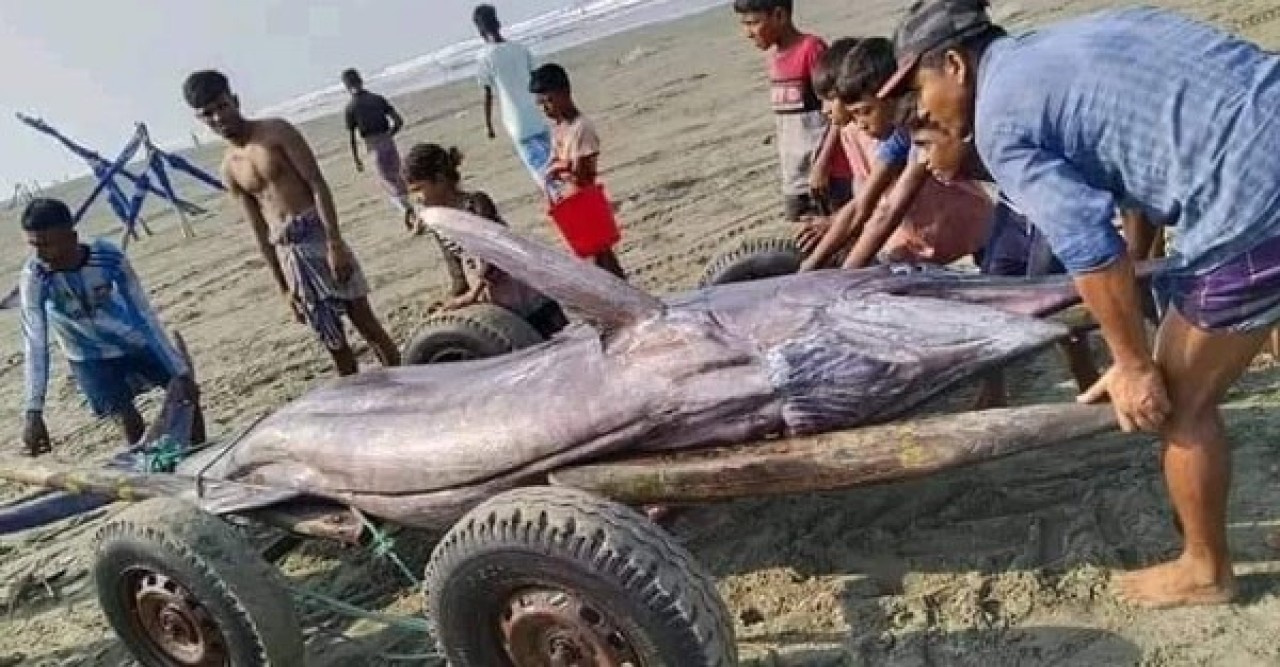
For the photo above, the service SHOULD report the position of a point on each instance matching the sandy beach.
(1002, 564)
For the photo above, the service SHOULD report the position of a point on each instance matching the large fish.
(786, 356)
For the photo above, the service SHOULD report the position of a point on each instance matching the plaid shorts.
(1240, 296)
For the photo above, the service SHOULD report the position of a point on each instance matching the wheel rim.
(547, 627)
(176, 627)
(446, 355)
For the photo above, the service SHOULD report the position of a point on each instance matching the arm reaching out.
(35, 338)
(1078, 220)
(849, 221)
(886, 219)
(820, 174)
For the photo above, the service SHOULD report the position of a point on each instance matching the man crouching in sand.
(270, 169)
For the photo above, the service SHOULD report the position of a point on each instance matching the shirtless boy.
(271, 172)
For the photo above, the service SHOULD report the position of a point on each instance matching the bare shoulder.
(279, 130)
(286, 137)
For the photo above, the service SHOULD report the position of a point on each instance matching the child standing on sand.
(433, 178)
(575, 146)
(815, 173)
(901, 213)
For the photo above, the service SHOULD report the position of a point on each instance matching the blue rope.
(164, 454)
(383, 546)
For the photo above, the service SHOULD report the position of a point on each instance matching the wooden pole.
(187, 230)
(843, 459)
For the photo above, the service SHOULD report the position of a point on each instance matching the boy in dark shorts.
(815, 173)
(1151, 93)
(372, 117)
(575, 146)
(89, 297)
(433, 178)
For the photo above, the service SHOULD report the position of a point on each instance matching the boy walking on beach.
(505, 67)
(1152, 93)
(90, 298)
(377, 122)
(272, 174)
(805, 146)
(575, 145)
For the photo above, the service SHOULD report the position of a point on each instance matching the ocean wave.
(558, 29)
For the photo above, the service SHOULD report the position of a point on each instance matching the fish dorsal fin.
(575, 284)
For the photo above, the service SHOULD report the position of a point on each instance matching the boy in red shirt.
(815, 173)
(575, 146)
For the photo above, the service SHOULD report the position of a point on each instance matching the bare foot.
(1273, 540)
(1177, 584)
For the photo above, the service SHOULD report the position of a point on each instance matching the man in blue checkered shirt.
(1145, 110)
(88, 296)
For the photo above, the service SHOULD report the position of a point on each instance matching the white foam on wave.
(558, 29)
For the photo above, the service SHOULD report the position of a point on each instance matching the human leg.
(535, 154)
(370, 327)
(386, 160)
(1214, 326)
(131, 424)
(1198, 367)
(325, 319)
(111, 385)
(344, 361)
(608, 261)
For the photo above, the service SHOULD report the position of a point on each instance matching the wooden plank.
(843, 459)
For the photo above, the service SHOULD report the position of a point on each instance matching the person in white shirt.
(503, 68)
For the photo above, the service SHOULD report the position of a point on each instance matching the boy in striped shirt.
(89, 297)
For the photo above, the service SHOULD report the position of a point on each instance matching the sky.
(93, 69)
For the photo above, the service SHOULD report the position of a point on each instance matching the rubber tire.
(245, 596)
(650, 586)
(483, 329)
(753, 258)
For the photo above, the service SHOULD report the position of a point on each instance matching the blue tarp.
(126, 208)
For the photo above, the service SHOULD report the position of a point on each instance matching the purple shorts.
(1240, 296)
(1015, 247)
